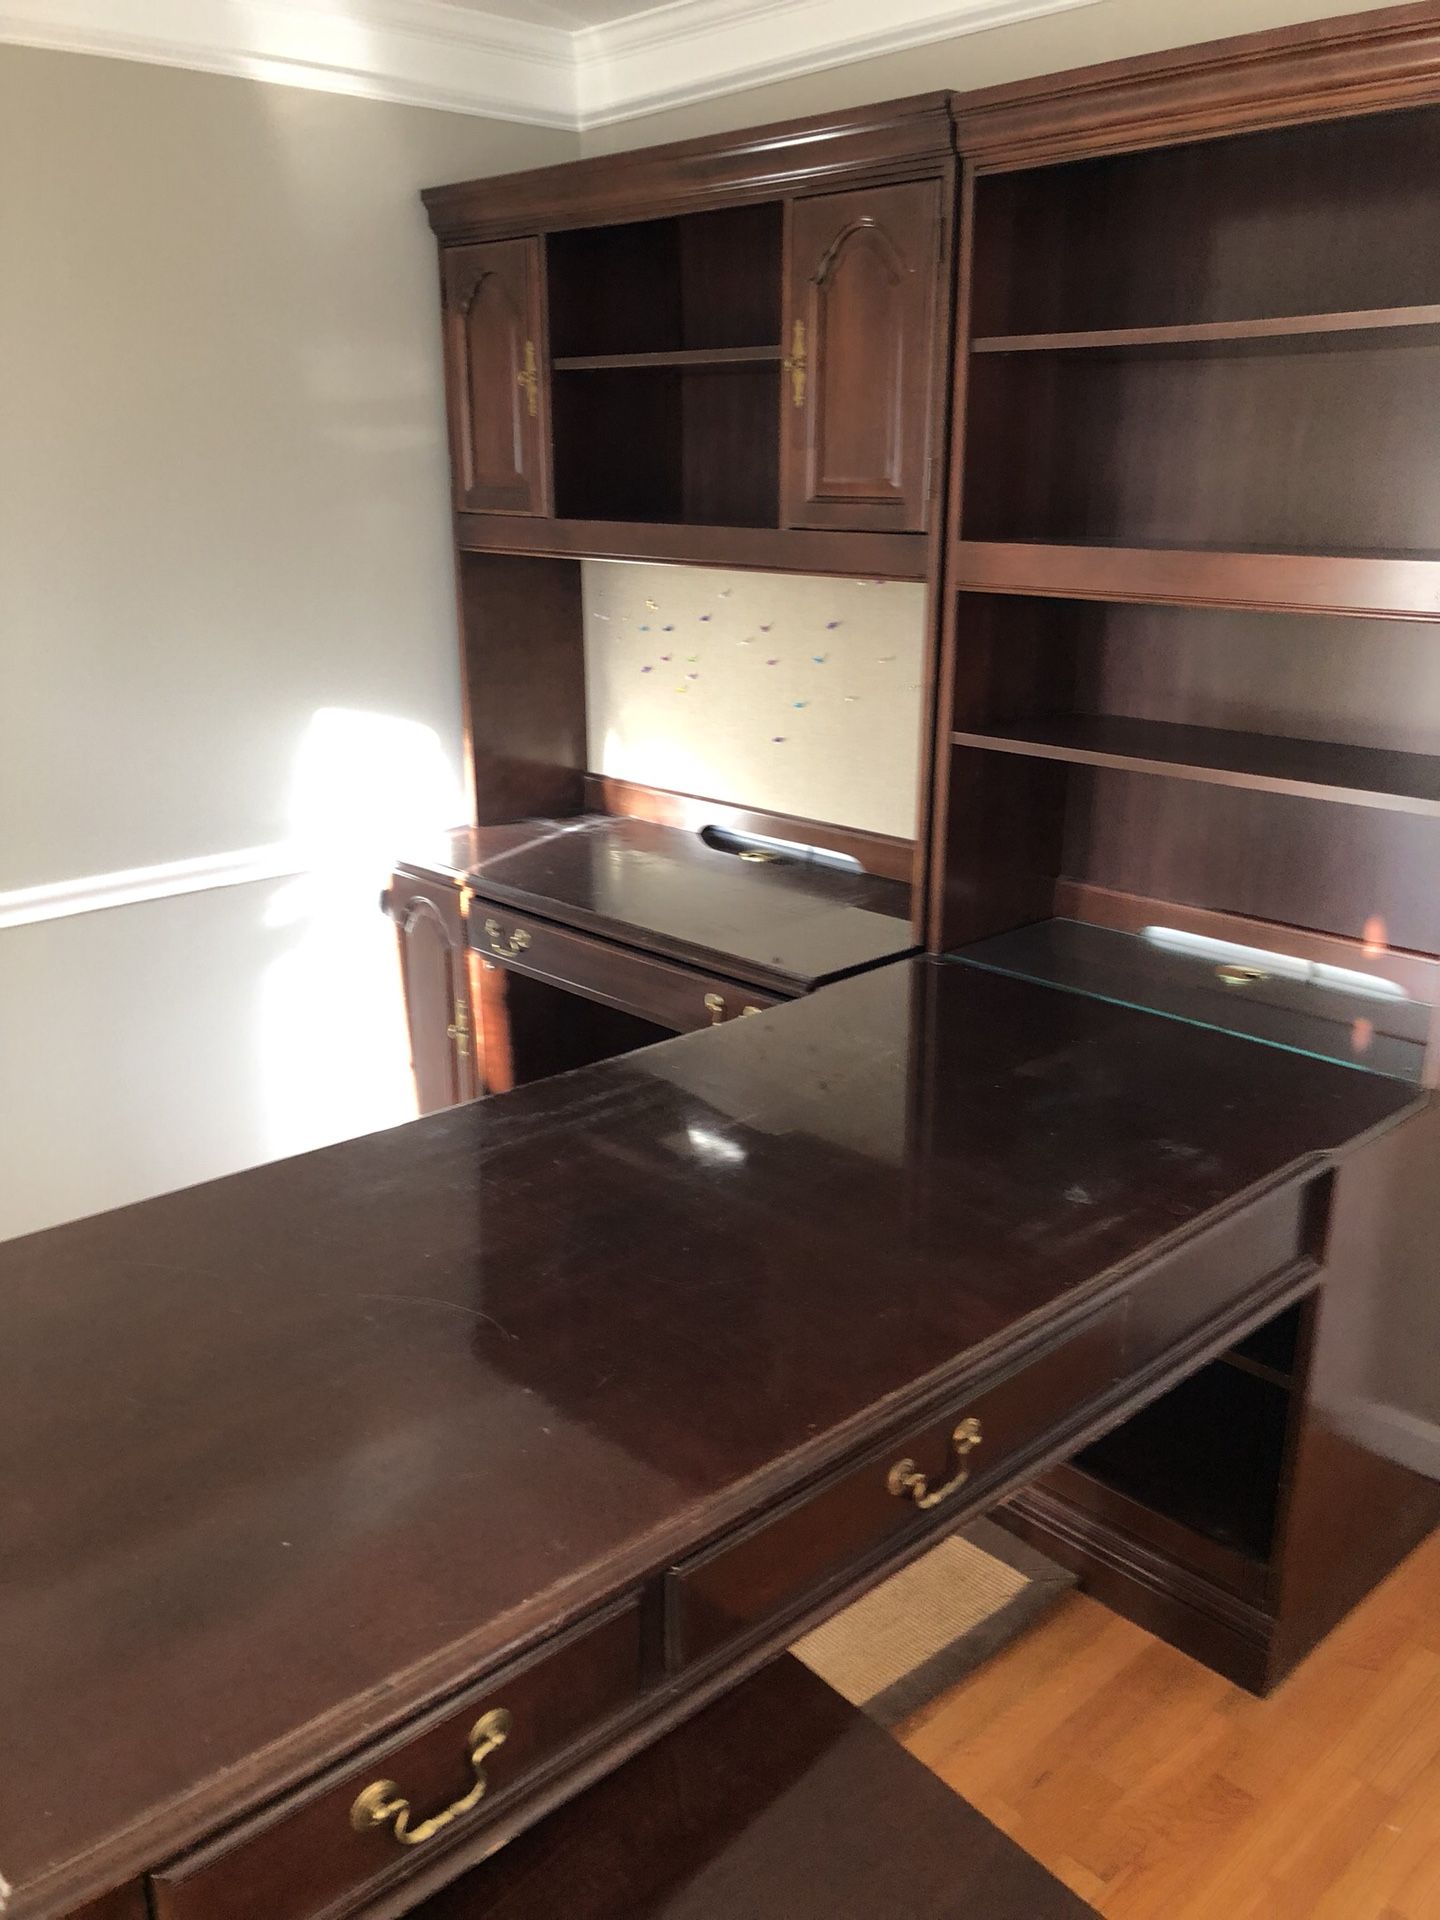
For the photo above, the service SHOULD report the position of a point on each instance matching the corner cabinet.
(495, 378)
(429, 918)
(862, 307)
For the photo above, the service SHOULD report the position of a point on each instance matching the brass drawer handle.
(715, 1007)
(518, 941)
(381, 1805)
(906, 1481)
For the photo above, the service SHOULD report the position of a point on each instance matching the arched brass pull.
(518, 941)
(382, 1804)
(715, 1007)
(906, 1481)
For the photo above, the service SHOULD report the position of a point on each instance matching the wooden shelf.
(1305, 331)
(1311, 769)
(698, 358)
(1388, 586)
(1258, 1370)
(876, 556)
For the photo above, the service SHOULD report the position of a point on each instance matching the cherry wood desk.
(495, 1446)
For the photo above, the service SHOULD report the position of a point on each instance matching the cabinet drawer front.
(681, 998)
(305, 1858)
(938, 1471)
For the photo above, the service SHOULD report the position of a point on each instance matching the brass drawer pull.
(381, 1805)
(518, 941)
(906, 1481)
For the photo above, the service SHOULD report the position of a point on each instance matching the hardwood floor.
(1158, 1791)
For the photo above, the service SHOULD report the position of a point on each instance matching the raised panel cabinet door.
(863, 294)
(495, 377)
(434, 968)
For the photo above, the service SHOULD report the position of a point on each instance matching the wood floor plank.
(1159, 1792)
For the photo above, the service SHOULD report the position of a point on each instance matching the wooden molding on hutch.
(431, 53)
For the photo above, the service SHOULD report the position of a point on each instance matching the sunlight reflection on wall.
(335, 1056)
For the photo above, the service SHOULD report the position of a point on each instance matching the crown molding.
(419, 53)
(431, 53)
(694, 50)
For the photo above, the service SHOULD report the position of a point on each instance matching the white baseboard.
(1400, 1436)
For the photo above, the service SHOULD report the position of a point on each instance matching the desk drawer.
(305, 1858)
(677, 997)
(934, 1473)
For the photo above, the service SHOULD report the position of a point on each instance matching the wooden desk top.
(788, 925)
(290, 1454)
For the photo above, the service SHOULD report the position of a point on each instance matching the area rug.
(924, 1629)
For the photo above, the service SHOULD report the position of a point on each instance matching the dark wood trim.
(1226, 1566)
(1129, 912)
(883, 854)
(1226, 1632)
(878, 556)
(1397, 587)
(700, 357)
(1290, 333)
(1361, 63)
(1264, 762)
(944, 642)
(900, 137)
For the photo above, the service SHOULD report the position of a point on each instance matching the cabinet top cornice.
(903, 137)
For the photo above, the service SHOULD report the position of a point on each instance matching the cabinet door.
(434, 966)
(863, 294)
(495, 377)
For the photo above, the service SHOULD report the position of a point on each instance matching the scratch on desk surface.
(436, 1300)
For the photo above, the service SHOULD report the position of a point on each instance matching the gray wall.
(226, 612)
